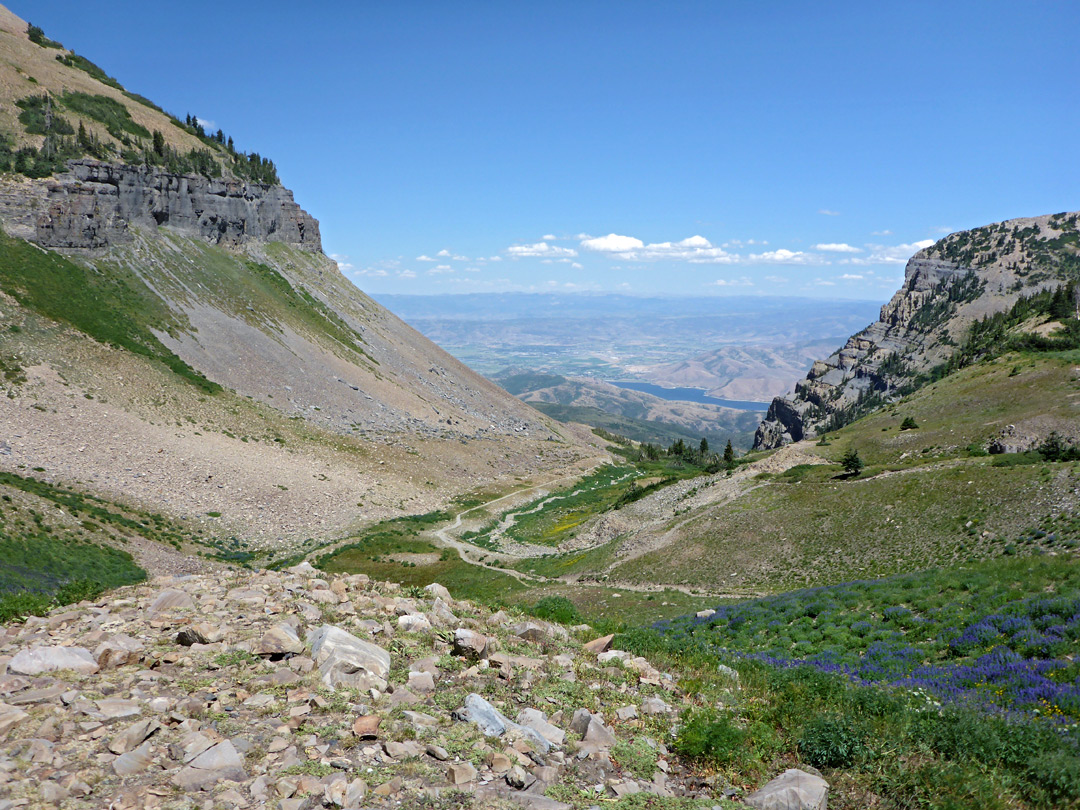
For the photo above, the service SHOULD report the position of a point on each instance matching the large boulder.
(279, 641)
(222, 761)
(169, 599)
(493, 723)
(49, 659)
(791, 790)
(345, 660)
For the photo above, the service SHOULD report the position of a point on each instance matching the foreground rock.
(345, 660)
(213, 699)
(791, 790)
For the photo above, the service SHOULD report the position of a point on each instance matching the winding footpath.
(653, 512)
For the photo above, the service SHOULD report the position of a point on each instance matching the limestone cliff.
(95, 204)
(963, 277)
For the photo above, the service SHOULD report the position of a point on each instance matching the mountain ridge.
(961, 279)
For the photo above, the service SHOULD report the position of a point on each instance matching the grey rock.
(345, 660)
(538, 722)
(211, 766)
(134, 761)
(470, 644)
(493, 723)
(438, 591)
(791, 790)
(50, 659)
(133, 736)
(655, 705)
(279, 640)
(460, 773)
(518, 779)
(169, 599)
(538, 631)
(189, 637)
(95, 204)
(117, 651)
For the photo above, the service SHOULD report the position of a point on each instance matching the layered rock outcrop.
(94, 205)
(964, 277)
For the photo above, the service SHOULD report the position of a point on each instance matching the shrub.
(831, 742)
(851, 462)
(108, 111)
(1058, 776)
(908, 424)
(557, 609)
(711, 737)
(636, 757)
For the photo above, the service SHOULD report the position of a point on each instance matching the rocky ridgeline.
(94, 205)
(291, 691)
(961, 278)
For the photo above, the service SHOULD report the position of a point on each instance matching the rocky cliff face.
(94, 205)
(964, 277)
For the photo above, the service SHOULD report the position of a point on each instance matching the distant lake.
(689, 395)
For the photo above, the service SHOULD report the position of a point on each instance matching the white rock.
(50, 659)
(345, 660)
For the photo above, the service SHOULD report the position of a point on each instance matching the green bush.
(831, 742)
(710, 737)
(1058, 776)
(108, 111)
(557, 609)
(82, 63)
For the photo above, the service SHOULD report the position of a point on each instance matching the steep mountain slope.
(172, 335)
(963, 278)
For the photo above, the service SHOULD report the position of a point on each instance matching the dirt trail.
(640, 520)
(690, 496)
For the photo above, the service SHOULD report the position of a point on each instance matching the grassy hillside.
(56, 105)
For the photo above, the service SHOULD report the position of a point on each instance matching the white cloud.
(425, 258)
(446, 254)
(540, 250)
(776, 279)
(851, 277)
(439, 269)
(406, 274)
(942, 229)
(549, 237)
(577, 266)
(732, 282)
(828, 213)
(209, 126)
(837, 247)
(612, 243)
(891, 254)
(472, 269)
(820, 282)
(882, 233)
(494, 258)
(785, 256)
(694, 249)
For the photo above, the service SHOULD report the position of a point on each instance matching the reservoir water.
(689, 395)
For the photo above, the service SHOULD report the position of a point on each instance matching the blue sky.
(684, 148)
